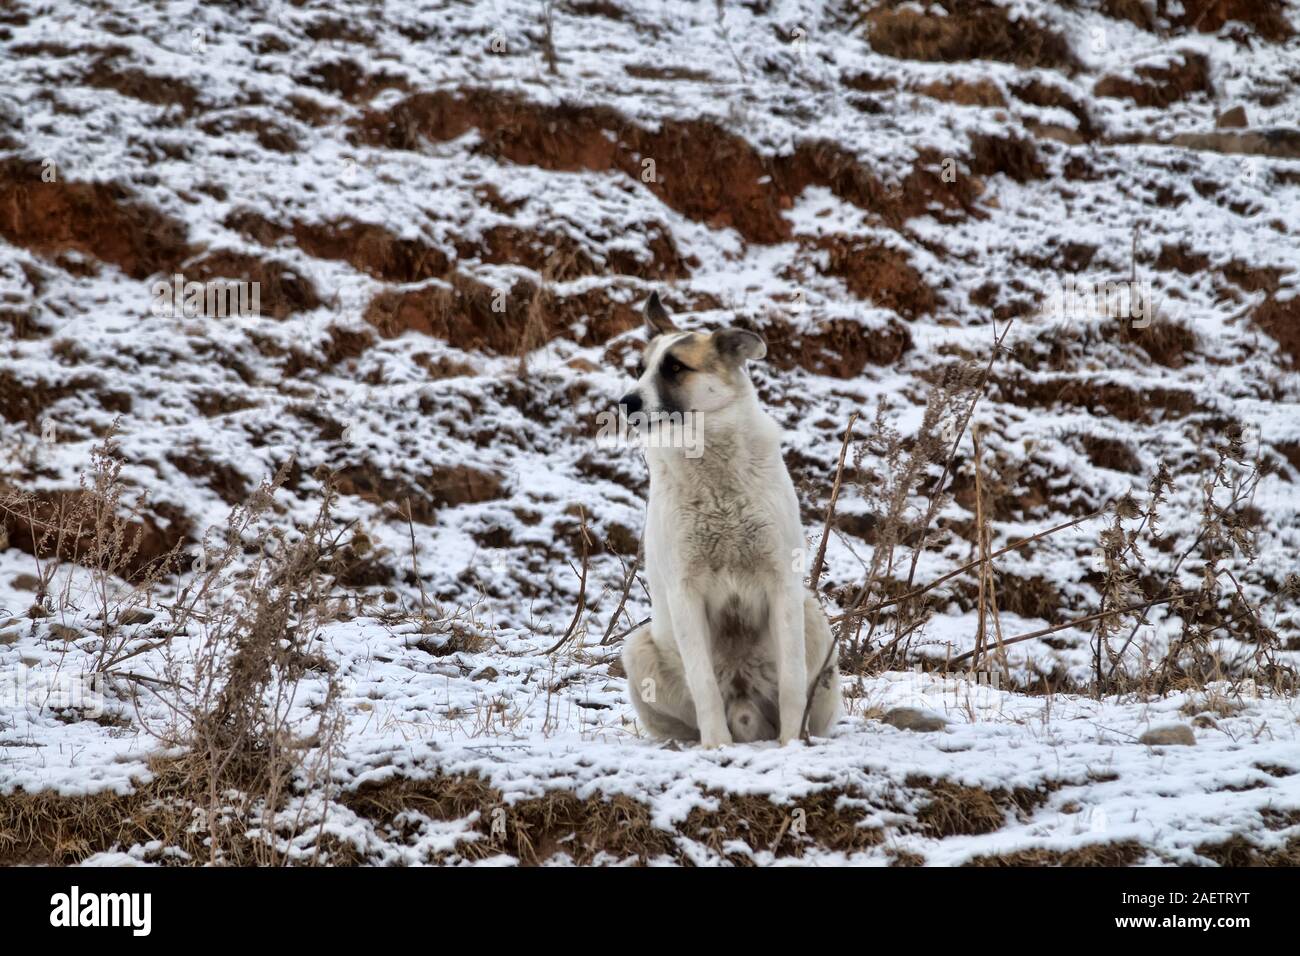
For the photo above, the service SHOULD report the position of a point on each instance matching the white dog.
(735, 637)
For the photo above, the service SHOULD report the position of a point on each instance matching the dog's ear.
(739, 345)
(657, 319)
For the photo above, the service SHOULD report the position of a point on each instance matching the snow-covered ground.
(387, 170)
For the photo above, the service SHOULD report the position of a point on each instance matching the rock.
(135, 616)
(487, 673)
(1234, 118)
(61, 632)
(911, 718)
(1171, 735)
(26, 582)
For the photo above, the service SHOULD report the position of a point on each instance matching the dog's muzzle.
(631, 404)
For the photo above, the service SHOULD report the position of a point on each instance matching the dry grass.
(1123, 853)
(956, 810)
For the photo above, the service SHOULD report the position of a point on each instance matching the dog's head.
(684, 372)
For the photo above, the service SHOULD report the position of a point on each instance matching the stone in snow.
(911, 718)
(1170, 735)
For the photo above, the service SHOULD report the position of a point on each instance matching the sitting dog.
(735, 637)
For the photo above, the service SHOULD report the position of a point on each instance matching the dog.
(735, 639)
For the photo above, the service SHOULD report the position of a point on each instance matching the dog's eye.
(640, 369)
(671, 366)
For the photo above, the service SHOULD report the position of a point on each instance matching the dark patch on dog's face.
(691, 371)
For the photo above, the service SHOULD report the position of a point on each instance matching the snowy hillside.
(452, 213)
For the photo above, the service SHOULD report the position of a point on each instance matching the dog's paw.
(715, 740)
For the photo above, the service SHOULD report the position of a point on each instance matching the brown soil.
(1159, 86)
(1281, 320)
(1266, 17)
(102, 220)
(472, 315)
(110, 72)
(838, 347)
(1165, 342)
(875, 273)
(368, 247)
(281, 290)
(26, 400)
(228, 484)
(971, 30)
(350, 80)
(963, 92)
(1013, 156)
(701, 170)
(440, 486)
(1101, 398)
(1110, 453)
(152, 534)
(1041, 93)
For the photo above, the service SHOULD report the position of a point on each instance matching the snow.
(565, 720)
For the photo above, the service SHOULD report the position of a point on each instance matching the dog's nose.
(632, 402)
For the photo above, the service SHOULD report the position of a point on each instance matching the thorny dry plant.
(902, 469)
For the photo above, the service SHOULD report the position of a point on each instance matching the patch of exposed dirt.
(1267, 18)
(1013, 156)
(1038, 92)
(226, 482)
(697, 168)
(1110, 453)
(109, 71)
(440, 486)
(1165, 341)
(1281, 321)
(471, 315)
(1162, 84)
(882, 276)
(1100, 398)
(968, 30)
(963, 92)
(1239, 851)
(269, 133)
(350, 80)
(101, 220)
(840, 348)
(368, 247)
(281, 290)
(24, 400)
(148, 536)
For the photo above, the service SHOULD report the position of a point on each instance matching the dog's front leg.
(691, 628)
(792, 663)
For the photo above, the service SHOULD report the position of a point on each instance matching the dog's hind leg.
(657, 686)
(817, 637)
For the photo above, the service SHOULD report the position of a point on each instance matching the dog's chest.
(721, 526)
